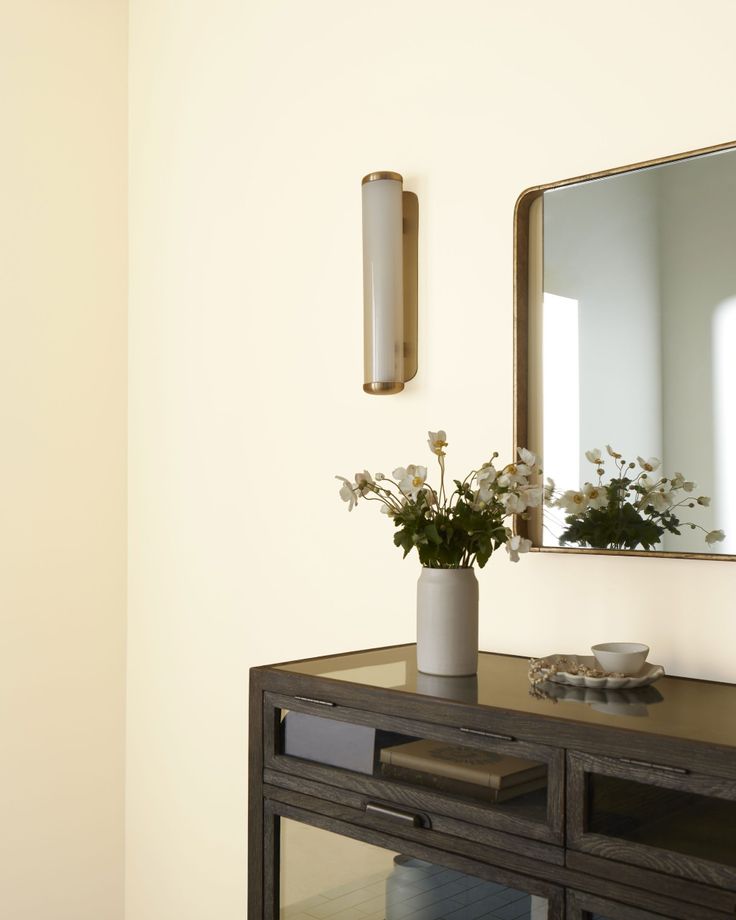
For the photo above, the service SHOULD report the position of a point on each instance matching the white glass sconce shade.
(386, 279)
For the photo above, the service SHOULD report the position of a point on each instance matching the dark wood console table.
(380, 792)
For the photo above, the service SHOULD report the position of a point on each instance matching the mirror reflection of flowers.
(632, 510)
(458, 528)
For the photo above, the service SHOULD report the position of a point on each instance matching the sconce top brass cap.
(371, 177)
(383, 389)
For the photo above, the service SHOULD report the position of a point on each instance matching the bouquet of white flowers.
(458, 528)
(629, 511)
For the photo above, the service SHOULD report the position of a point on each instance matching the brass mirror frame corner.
(532, 528)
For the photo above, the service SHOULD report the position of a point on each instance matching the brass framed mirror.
(625, 356)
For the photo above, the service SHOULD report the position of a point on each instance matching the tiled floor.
(441, 894)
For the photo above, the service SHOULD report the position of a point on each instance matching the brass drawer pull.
(498, 737)
(309, 699)
(406, 817)
(654, 766)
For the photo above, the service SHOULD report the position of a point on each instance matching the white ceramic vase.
(447, 622)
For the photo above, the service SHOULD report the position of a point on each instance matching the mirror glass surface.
(632, 344)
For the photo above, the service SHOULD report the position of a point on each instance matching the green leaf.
(431, 531)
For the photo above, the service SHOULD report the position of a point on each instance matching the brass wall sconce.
(390, 283)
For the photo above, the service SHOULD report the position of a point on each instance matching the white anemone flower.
(659, 499)
(437, 442)
(596, 496)
(485, 477)
(514, 474)
(487, 473)
(532, 495)
(612, 452)
(527, 457)
(714, 536)
(514, 503)
(572, 502)
(411, 479)
(678, 481)
(348, 493)
(364, 482)
(649, 465)
(517, 545)
(594, 456)
(401, 472)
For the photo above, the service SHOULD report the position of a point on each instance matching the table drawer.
(656, 816)
(429, 827)
(587, 906)
(323, 867)
(477, 776)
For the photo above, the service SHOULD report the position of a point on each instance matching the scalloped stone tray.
(646, 676)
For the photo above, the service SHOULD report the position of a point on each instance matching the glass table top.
(677, 707)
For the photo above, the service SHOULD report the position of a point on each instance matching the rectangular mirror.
(625, 344)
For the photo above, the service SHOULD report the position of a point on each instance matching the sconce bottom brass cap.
(383, 389)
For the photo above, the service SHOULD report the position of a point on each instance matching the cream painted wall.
(251, 126)
(63, 298)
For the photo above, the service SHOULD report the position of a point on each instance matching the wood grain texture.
(335, 816)
(511, 858)
(352, 806)
(656, 775)
(581, 906)
(423, 729)
(706, 758)
(255, 797)
(497, 866)
(659, 860)
(422, 800)
(618, 850)
(410, 847)
(272, 863)
(547, 826)
(633, 881)
(716, 900)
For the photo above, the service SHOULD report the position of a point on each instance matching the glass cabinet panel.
(506, 777)
(587, 906)
(656, 816)
(684, 822)
(325, 876)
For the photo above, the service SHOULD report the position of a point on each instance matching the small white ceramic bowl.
(623, 657)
